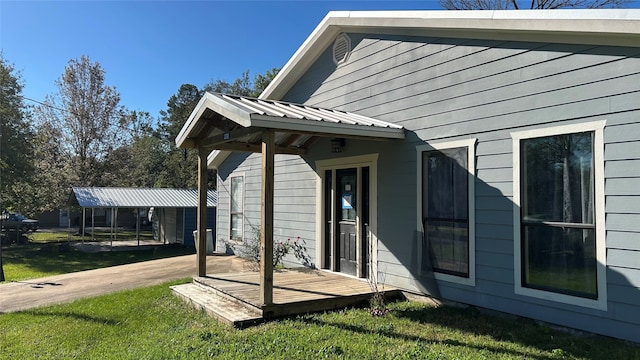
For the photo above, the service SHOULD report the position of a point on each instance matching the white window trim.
(241, 240)
(470, 144)
(597, 127)
(371, 161)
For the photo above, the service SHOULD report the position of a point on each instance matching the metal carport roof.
(113, 197)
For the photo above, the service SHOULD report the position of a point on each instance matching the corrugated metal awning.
(236, 123)
(108, 197)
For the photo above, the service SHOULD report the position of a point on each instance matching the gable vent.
(341, 49)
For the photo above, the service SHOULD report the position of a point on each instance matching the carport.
(132, 198)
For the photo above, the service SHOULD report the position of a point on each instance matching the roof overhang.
(235, 123)
(612, 27)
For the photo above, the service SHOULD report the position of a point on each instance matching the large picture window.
(236, 208)
(446, 208)
(558, 210)
(558, 228)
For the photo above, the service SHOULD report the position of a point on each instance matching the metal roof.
(236, 123)
(107, 197)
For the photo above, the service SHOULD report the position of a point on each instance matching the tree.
(532, 4)
(243, 86)
(16, 149)
(260, 82)
(139, 162)
(91, 120)
(49, 188)
(180, 165)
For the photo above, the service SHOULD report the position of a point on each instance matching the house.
(489, 158)
(172, 211)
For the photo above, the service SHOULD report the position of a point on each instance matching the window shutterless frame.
(532, 225)
(467, 278)
(236, 207)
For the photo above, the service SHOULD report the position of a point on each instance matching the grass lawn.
(150, 323)
(39, 258)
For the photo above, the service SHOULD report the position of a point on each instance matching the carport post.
(201, 248)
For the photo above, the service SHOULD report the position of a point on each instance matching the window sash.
(445, 209)
(236, 208)
(557, 240)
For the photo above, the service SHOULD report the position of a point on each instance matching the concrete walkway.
(21, 295)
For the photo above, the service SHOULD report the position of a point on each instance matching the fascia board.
(191, 122)
(614, 27)
(218, 105)
(325, 127)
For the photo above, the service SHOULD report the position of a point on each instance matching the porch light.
(337, 145)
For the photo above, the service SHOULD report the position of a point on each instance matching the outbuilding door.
(347, 209)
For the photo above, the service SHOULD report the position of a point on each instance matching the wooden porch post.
(266, 224)
(202, 212)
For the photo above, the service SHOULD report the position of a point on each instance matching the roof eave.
(189, 132)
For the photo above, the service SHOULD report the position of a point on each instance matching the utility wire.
(64, 110)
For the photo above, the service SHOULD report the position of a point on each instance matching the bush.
(249, 248)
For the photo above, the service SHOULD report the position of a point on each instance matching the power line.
(65, 110)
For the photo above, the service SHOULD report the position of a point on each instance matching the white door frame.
(358, 162)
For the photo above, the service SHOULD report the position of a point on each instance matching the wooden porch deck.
(294, 292)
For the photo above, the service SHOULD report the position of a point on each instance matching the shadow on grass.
(71, 315)
(389, 332)
(470, 321)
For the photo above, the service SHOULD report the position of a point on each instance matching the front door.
(346, 186)
(347, 220)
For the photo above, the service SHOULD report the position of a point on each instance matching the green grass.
(40, 236)
(40, 259)
(150, 323)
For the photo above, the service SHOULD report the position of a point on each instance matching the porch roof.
(236, 123)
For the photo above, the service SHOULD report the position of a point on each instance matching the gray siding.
(294, 203)
(456, 89)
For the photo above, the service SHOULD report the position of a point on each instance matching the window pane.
(236, 226)
(236, 194)
(560, 259)
(449, 246)
(557, 178)
(445, 180)
(446, 210)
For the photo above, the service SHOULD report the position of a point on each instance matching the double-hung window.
(558, 192)
(446, 207)
(236, 208)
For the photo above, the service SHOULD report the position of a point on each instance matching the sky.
(149, 48)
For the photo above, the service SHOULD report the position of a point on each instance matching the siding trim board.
(597, 127)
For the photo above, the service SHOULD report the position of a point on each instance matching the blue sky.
(149, 48)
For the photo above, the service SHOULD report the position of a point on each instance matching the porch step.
(205, 283)
(227, 311)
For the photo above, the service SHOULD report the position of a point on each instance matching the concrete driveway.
(21, 295)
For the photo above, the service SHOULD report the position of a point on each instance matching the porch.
(234, 299)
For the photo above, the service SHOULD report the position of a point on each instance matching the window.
(557, 196)
(236, 208)
(446, 210)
